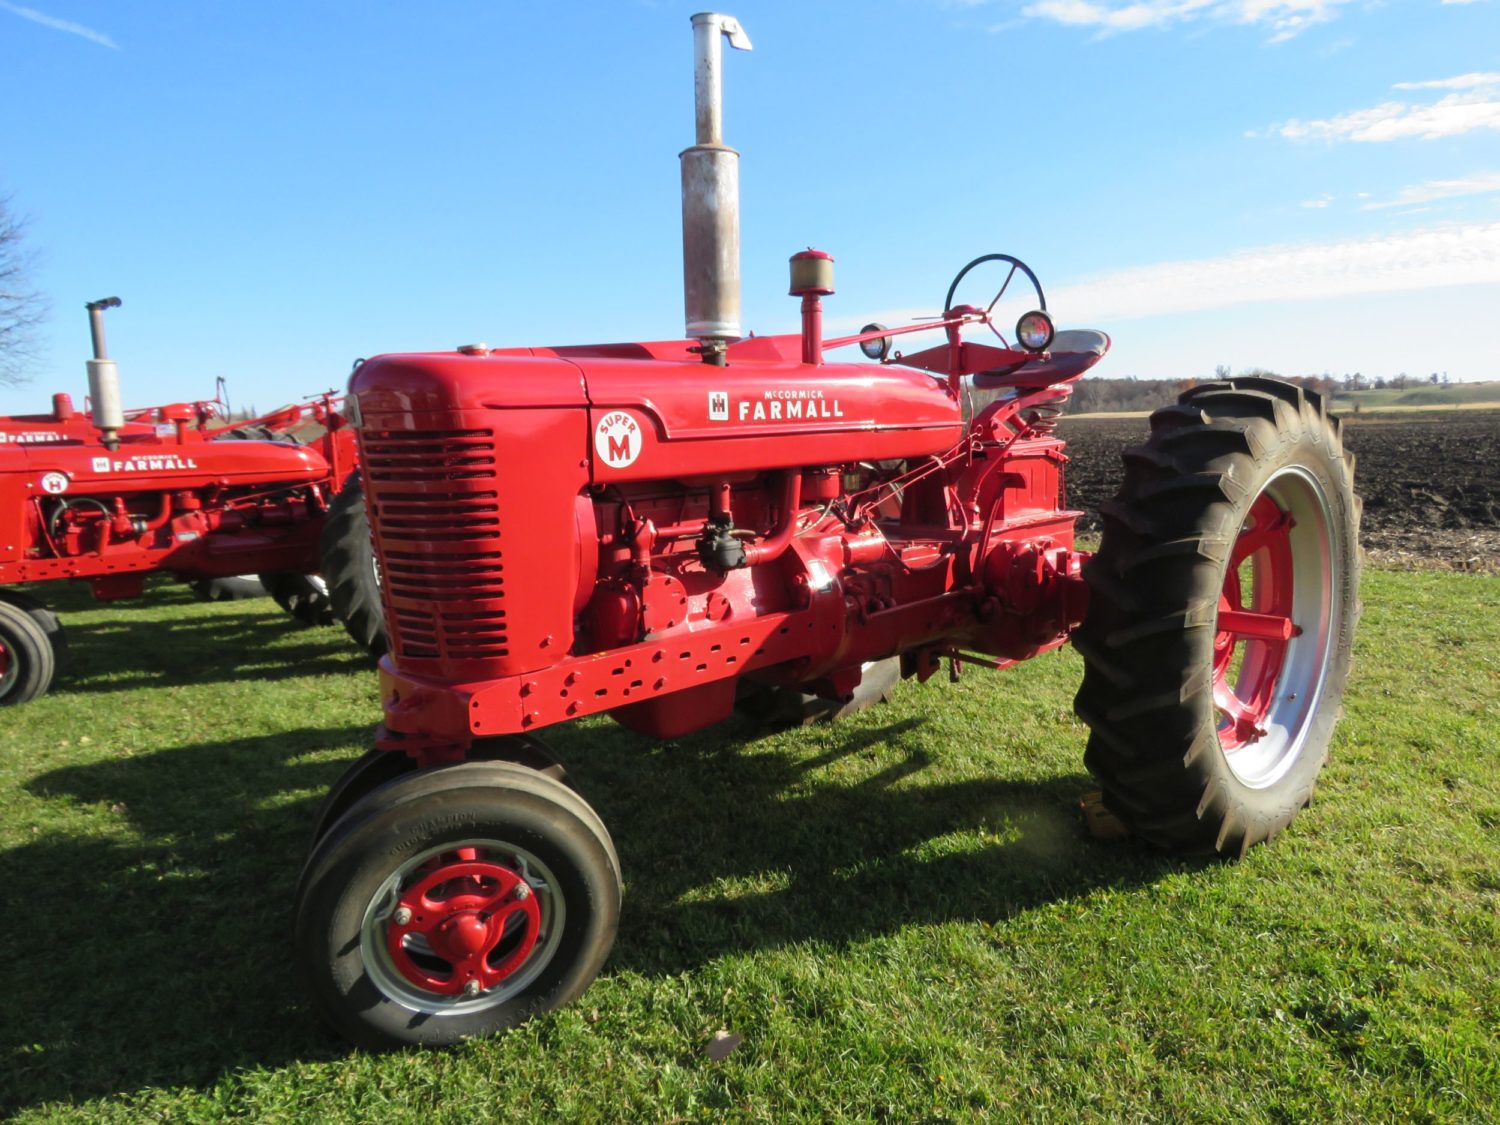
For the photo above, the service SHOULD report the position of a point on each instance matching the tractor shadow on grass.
(728, 851)
(165, 959)
(158, 954)
(223, 648)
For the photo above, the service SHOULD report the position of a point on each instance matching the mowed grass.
(902, 915)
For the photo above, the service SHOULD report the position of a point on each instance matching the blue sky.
(276, 189)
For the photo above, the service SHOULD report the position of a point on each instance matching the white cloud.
(1429, 191)
(1283, 18)
(1450, 116)
(60, 25)
(1320, 202)
(1425, 259)
(1457, 82)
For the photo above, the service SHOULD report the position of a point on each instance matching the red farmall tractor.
(654, 530)
(108, 499)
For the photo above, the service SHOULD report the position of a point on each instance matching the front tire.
(27, 660)
(456, 902)
(1221, 618)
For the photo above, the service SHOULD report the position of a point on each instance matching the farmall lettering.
(797, 404)
(163, 464)
(617, 439)
(27, 437)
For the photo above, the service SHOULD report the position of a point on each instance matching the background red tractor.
(110, 499)
(654, 531)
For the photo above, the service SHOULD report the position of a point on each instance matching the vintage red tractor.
(648, 530)
(109, 499)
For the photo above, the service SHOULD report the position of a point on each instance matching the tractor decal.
(617, 439)
(790, 404)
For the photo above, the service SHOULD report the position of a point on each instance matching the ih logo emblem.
(617, 439)
(718, 406)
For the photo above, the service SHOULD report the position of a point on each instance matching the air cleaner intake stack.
(711, 198)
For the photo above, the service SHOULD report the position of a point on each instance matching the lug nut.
(402, 916)
(522, 892)
(471, 988)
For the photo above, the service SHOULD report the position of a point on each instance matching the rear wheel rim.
(1279, 614)
(474, 939)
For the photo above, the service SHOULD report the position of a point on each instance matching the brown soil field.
(1430, 482)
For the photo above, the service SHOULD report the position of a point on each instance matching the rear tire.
(303, 596)
(1223, 601)
(453, 845)
(350, 571)
(27, 663)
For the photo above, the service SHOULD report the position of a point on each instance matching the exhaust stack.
(711, 198)
(104, 377)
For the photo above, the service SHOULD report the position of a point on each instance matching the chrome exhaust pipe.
(711, 197)
(104, 377)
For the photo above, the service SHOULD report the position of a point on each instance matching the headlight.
(874, 349)
(1034, 331)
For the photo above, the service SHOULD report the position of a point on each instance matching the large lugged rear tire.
(1221, 618)
(349, 569)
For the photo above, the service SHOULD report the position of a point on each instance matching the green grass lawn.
(902, 915)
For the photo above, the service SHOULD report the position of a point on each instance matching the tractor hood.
(150, 464)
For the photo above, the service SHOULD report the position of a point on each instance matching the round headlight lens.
(1034, 331)
(875, 349)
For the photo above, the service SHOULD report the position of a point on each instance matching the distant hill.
(1417, 394)
(1130, 395)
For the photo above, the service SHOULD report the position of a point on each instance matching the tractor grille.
(435, 509)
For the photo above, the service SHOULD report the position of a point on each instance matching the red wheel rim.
(467, 923)
(1254, 624)
(1278, 613)
(464, 925)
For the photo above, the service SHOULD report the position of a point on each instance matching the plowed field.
(1430, 482)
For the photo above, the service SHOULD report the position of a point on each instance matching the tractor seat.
(1072, 353)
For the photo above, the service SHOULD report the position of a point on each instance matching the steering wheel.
(1016, 265)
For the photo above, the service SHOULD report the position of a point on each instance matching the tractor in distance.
(653, 531)
(109, 499)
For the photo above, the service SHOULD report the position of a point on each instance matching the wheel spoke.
(1268, 524)
(1242, 719)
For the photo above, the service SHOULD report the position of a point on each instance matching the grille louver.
(436, 513)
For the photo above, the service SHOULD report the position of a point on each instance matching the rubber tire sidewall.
(48, 622)
(359, 854)
(30, 650)
(1267, 809)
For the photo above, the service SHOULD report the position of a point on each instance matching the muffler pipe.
(711, 197)
(104, 377)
